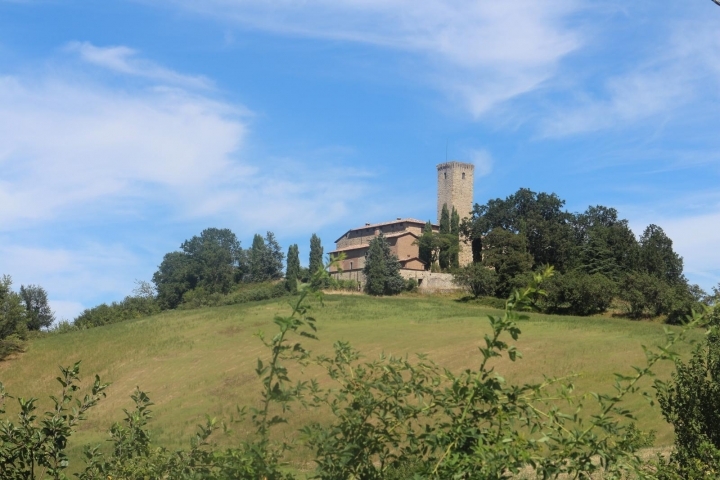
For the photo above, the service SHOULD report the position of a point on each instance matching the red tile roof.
(382, 224)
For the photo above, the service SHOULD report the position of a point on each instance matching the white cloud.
(484, 52)
(122, 59)
(683, 69)
(67, 145)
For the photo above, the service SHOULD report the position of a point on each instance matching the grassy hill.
(202, 361)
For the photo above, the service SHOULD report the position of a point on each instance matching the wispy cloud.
(683, 69)
(483, 52)
(125, 60)
(69, 146)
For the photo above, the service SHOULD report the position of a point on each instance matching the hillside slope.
(202, 361)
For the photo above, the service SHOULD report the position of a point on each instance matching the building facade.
(455, 189)
(400, 234)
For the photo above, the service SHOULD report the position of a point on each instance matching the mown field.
(202, 361)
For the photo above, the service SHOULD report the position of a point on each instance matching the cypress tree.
(455, 232)
(455, 222)
(293, 268)
(316, 254)
(445, 257)
(445, 219)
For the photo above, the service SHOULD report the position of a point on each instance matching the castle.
(455, 189)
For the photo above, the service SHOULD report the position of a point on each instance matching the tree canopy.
(527, 230)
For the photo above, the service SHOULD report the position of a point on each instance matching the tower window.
(463, 176)
(351, 265)
(445, 174)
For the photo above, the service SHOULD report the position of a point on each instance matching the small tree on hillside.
(172, 279)
(382, 269)
(13, 326)
(215, 255)
(316, 254)
(293, 268)
(38, 312)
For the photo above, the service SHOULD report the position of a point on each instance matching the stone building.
(400, 235)
(455, 188)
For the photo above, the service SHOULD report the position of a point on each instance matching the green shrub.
(128, 309)
(199, 297)
(579, 293)
(691, 403)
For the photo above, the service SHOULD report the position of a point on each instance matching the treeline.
(210, 269)
(596, 256)
(21, 312)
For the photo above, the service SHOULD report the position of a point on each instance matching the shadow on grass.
(492, 302)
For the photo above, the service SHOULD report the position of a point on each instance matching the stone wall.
(455, 189)
(428, 282)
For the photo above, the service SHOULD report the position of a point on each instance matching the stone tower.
(455, 188)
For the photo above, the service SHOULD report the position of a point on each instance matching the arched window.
(463, 177)
(445, 175)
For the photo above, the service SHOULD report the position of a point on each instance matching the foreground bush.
(388, 418)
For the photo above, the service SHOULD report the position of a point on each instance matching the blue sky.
(126, 127)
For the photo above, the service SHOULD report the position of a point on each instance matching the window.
(463, 176)
(445, 175)
(350, 265)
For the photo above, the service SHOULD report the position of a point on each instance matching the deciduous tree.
(37, 308)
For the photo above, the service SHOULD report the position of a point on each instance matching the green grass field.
(202, 361)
